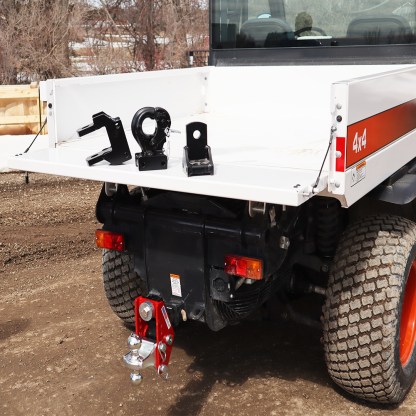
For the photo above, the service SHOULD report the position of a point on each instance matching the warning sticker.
(175, 283)
(358, 173)
(165, 315)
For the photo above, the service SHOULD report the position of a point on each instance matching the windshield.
(298, 23)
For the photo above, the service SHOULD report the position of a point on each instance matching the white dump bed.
(268, 128)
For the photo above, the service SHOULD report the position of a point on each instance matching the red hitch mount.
(151, 344)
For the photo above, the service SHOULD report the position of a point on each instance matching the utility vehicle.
(310, 116)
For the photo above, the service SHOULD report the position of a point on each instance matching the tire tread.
(360, 314)
(122, 285)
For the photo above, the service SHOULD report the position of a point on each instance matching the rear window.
(299, 23)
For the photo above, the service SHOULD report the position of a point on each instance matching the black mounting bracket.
(197, 158)
(152, 156)
(119, 151)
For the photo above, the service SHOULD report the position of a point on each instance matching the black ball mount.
(119, 151)
(152, 156)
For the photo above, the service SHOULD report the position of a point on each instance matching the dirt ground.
(61, 345)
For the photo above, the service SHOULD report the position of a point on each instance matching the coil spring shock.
(328, 225)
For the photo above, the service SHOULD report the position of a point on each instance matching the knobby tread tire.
(122, 285)
(361, 315)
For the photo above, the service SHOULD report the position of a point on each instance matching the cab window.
(300, 23)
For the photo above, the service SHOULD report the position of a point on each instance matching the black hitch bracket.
(197, 157)
(119, 151)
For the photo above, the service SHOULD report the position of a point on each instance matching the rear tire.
(371, 293)
(122, 285)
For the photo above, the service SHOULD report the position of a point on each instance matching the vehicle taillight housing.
(109, 240)
(246, 267)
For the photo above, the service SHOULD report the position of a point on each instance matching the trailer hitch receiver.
(151, 344)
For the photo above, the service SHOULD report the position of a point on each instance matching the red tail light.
(244, 267)
(109, 240)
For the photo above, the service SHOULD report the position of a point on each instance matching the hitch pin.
(168, 131)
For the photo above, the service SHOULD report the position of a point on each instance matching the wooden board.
(21, 111)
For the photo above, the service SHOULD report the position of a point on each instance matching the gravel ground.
(61, 346)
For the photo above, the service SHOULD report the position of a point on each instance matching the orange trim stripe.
(367, 136)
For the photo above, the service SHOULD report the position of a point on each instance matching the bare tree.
(35, 38)
(156, 33)
(186, 26)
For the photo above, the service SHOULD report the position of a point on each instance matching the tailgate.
(255, 183)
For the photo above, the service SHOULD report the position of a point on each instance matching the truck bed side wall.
(382, 109)
(73, 101)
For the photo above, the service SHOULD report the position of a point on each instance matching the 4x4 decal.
(372, 134)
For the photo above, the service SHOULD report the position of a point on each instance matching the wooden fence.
(21, 111)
